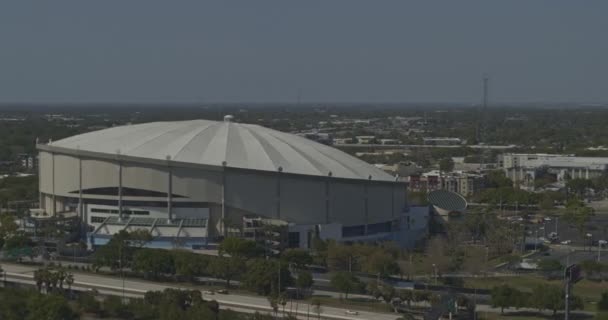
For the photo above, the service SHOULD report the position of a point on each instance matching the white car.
(352, 312)
(566, 242)
(209, 292)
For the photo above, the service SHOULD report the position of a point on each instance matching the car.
(547, 219)
(222, 291)
(352, 312)
(602, 242)
(566, 242)
(209, 292)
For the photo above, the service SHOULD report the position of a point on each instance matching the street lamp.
(435, 270)
(600, 243)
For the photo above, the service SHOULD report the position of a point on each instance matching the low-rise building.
(463, 183)
(521, 167)
(28, 161)
(441, 141)
(389, 141)
(366, 139)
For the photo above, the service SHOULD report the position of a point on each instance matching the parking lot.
(567, 255)
(597, 228)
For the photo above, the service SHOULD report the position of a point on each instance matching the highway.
(394, 146)
(238, 302)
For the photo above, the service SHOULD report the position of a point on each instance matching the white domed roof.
(213, 143)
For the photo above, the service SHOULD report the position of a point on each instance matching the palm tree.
(61, 275)
(69, 280)
(41, 276)
(3, 273)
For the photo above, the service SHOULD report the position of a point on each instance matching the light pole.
(122, 276)
(435, 270)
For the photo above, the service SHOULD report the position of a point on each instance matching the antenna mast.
(481, 132)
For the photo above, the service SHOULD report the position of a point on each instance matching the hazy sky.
(331, 50)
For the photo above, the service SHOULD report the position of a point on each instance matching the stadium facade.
(191, 182)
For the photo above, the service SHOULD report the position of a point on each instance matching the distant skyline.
(361, 51)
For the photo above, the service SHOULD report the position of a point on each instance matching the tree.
(578, 215)
(591, 267)
(345, 282)
(381, 264)
(550, 265)
(388, 294)
(153, 262)
(407, 296)
(602, 305)
(48, 307)
(578, 186)
(226, 268)
(298, 257)
(446, 165)
(8, 227)
(342, 257)
(118, 252)
(497, 179)
(12, 306)
(188, 264)
(88, 303)
(304, 281)
(114, 307)
(241, 248)
(553, 298)
(262, 276)
(504, 296)
(437, 252)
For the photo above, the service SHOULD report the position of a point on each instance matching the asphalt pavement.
(234, 301)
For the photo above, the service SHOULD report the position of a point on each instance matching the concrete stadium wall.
(302, 199)
(252, 191)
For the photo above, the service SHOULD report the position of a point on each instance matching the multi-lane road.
(238, 302)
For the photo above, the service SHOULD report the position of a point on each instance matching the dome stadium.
(192, 182)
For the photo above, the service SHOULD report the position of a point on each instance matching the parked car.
(352, 312)
(566, 242)
(222, 291)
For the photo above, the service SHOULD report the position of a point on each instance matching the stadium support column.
(54, 207)
(119, 185)
(366, 201)
(328, 197)
(280, 170)
(393, 197)
(81, 214)
(169, 189)
(223, 217)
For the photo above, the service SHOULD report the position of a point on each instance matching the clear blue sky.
(331, 50)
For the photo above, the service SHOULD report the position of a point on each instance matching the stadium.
(190, 183)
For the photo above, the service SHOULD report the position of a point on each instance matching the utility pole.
(121, 271)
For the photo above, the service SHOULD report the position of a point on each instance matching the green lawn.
(590, 291)
(359, 304)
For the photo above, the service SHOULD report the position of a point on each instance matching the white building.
(524, 166)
